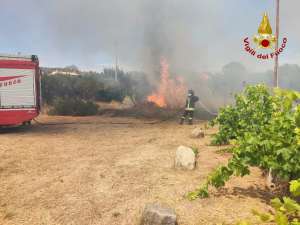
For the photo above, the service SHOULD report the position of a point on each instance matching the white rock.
(185, 158)
(197, 133)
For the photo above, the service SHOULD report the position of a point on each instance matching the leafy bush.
(252, 111)
(73, 107)
(266, 134)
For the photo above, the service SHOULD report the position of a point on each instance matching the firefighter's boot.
(181, 121)
(190, 121)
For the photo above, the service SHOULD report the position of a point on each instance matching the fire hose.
(126, 123)
(112, 122)
(207, 109)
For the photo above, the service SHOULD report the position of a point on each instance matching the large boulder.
(197, 133)
(185, 158)
(158, 215)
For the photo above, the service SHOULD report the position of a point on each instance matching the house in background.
(61, 72)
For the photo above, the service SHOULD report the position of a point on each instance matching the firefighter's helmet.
(191, 93)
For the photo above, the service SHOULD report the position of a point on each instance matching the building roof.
(61, 72)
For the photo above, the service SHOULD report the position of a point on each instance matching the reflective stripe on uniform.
(190, 118)
(191, 109)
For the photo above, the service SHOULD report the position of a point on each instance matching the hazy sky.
(194, 35)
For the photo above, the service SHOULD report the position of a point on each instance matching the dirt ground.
(106, 173)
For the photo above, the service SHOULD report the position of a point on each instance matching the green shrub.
(196, 151)
(72, 107)
(265, 132)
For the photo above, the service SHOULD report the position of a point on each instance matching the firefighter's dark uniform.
(189, 107)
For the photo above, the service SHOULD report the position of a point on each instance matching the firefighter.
(190, 106)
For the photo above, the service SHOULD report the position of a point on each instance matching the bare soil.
(106, 173)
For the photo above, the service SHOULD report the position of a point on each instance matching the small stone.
(158, 215)
(197, 133)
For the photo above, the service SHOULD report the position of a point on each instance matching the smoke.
(84, 31)
(165, 33)
(194, 36)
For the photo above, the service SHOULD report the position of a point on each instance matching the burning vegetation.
(170, 92)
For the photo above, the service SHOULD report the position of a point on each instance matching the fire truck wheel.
(24, 123)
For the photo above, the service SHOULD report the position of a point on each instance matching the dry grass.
(151, 111)
(105, 174)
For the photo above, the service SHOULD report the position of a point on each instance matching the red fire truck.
(20, 89)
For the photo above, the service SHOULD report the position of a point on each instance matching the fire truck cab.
(20, 89)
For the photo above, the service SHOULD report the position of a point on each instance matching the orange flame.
(168, 94)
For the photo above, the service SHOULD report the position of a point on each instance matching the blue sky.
(191, 35)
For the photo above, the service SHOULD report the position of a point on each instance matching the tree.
(87, 87)
(94, 85)
(138, 88)
(110, 73)
(57, 86)
(234, 74)
(71, 68)
(289, 77)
